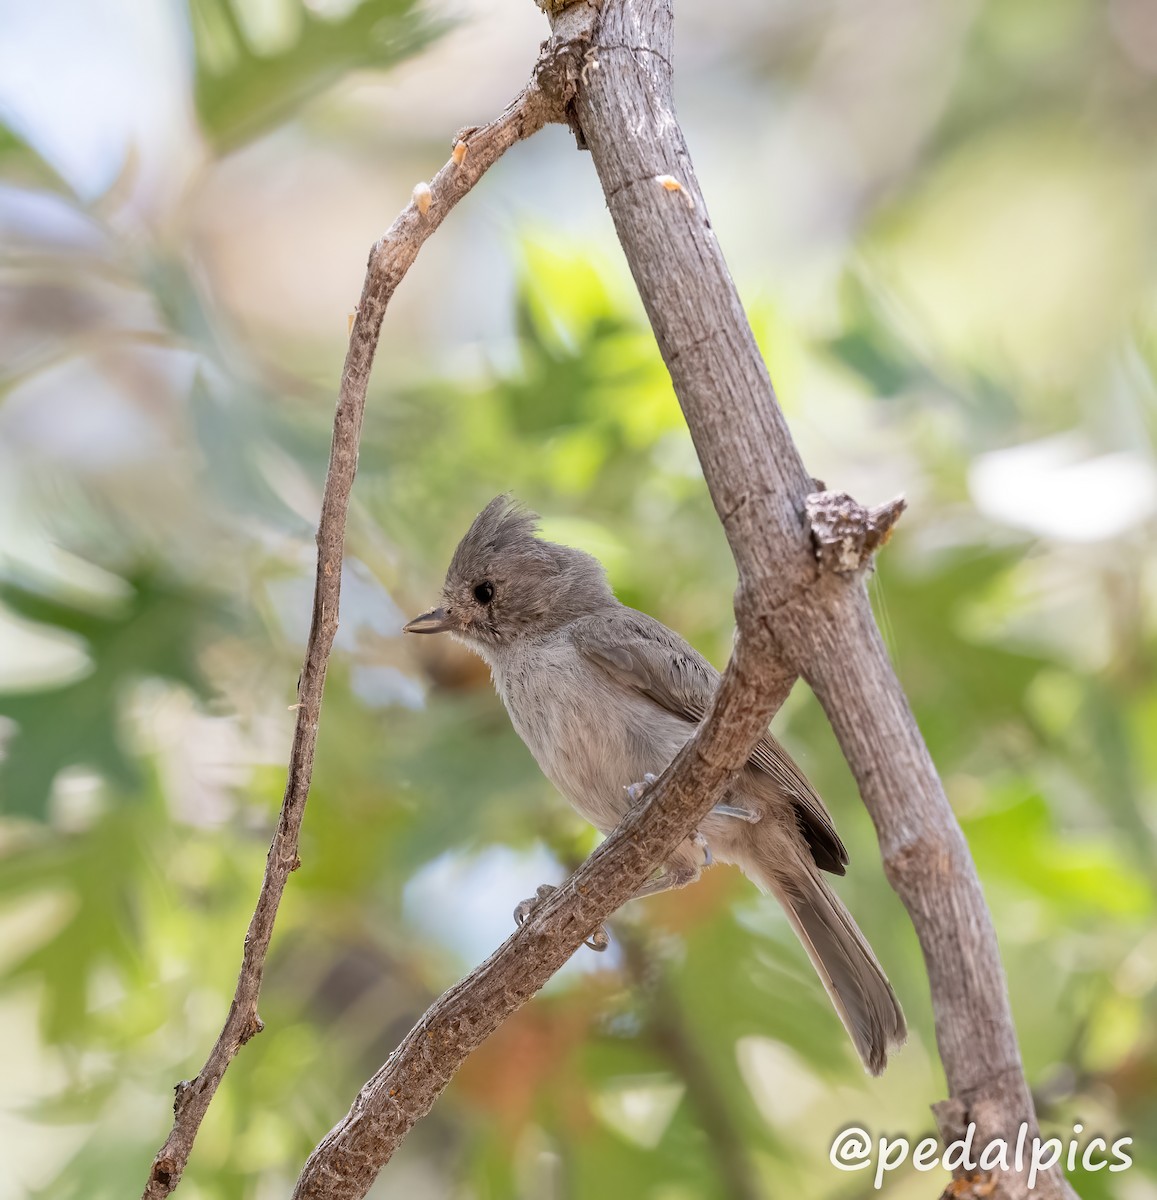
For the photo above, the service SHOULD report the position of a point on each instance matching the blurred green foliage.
(142, 774)
(256, 64)
(155, 635)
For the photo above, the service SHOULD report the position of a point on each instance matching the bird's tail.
(840, 953)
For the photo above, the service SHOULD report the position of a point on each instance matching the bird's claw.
(524, 908)
(636, 791)
(700, 841)
(751, 816)
(599, 939)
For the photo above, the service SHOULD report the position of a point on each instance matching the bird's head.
(505, 582)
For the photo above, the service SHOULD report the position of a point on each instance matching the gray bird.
(605, 696)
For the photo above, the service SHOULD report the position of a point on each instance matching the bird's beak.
(437, 620)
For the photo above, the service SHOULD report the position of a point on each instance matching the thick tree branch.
(475, 151)
(821, 621)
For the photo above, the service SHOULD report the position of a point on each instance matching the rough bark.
(791, 582)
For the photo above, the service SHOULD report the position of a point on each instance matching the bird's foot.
(700, 841)
(599, 940)
(525, 907)
(751, 816)
(636, 791)
(669, 877)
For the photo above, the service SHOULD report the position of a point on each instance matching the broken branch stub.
(844, 533)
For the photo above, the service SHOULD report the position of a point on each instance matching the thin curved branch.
(475, 152)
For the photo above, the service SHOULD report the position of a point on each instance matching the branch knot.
(844, 533)
(565, 58)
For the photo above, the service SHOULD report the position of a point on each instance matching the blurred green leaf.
(21, 163)
(155, 633)
(1082, 879)
(231, 431)
(869, 348)
(955, 681)
(103, 882)
(250, 79)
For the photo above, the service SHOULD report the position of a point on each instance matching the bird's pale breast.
(591, 737)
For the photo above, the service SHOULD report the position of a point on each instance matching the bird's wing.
(644, 655)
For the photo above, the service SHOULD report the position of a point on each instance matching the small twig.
(389, 260)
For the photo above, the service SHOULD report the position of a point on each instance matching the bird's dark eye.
(484, 592)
